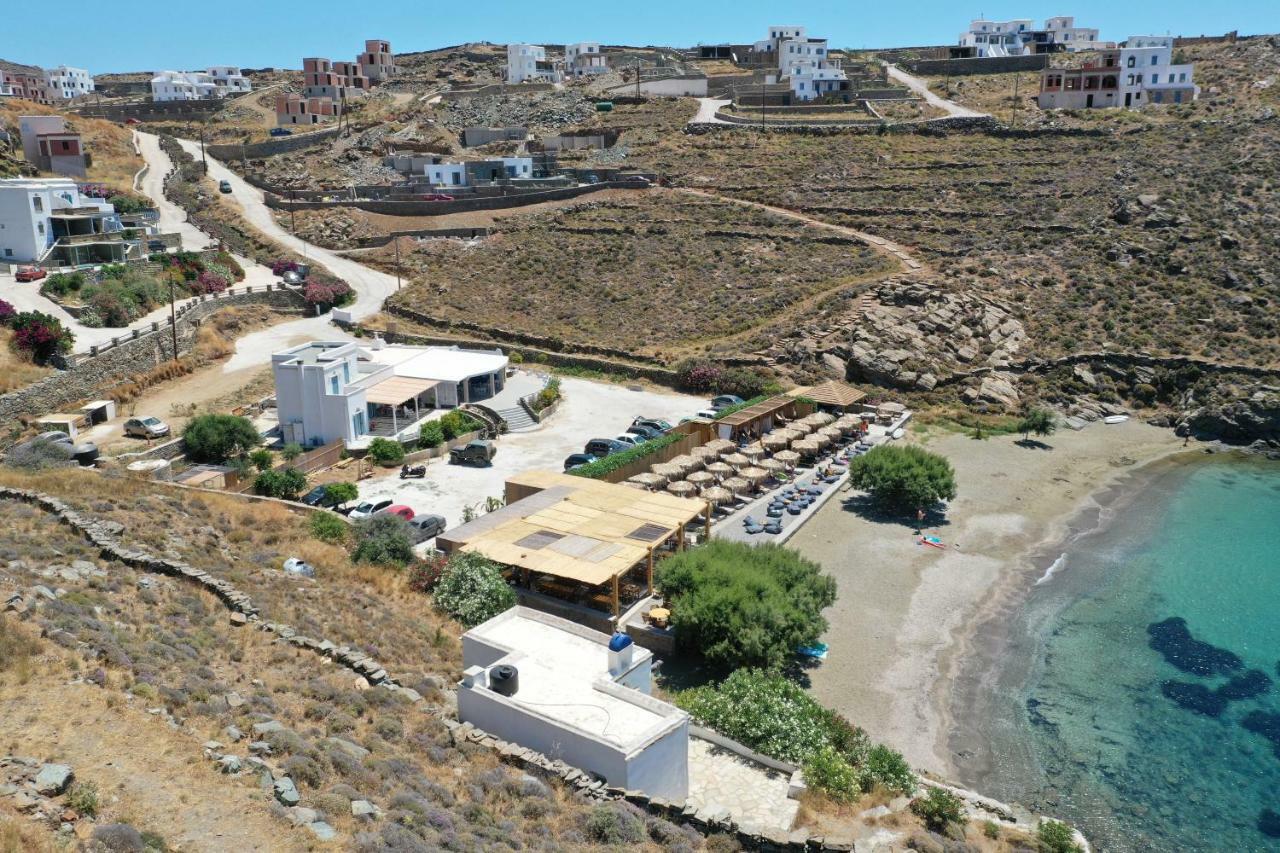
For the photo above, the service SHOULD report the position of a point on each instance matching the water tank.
(504, 679)
(619, 641)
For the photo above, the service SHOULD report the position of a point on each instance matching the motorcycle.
(407, 471)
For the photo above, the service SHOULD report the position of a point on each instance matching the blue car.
(601, 447)
(280, 131)
(573, 460)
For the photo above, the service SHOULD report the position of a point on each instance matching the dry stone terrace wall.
(87, 377)
(228, 152)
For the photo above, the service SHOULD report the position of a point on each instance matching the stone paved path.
(754, 795)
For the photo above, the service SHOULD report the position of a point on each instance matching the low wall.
(151, 110)
(931, 125)
(384, 239)
(439, 208)
(271, 147)
(496, 89)
(768, 121)
(133, 353)
(985, 65)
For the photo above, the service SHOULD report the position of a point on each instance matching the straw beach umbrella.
(832, 432)
(720, 469)
(717, 495)
(773, 441)
(773, 466)
(681, 488)
(753, 451)
(736, 485)
(633, 485)
(787, 457)
(818, 438)
(807, 447)
(686, 462)
(800, 429)
(649, 480)
(720, 444)
(820, 418)
(737, 460)
(701, 478)
(705, 453)
(753, 475)
(667, 470)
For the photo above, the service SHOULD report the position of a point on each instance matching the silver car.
(147, 427)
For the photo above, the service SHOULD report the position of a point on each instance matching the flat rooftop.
(561, 665)
(446, 364)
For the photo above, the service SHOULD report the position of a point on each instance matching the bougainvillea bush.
(328, 293)
(7, 313)
(40, 335)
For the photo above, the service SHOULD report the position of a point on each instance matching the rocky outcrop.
(1254, 420)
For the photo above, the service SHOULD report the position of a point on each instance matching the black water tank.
(504, 679)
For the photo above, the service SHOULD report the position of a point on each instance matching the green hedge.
(609, 464)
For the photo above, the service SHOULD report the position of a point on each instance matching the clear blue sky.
(106, 36)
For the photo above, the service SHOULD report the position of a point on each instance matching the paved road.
(921, 88)
(707, 108)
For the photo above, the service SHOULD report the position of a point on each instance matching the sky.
(183, 35)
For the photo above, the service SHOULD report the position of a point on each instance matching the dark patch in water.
(1194, 697)
(1246, 685)
(1172, 640)
(1269, 823)
(1037, 718)
(1265, 723)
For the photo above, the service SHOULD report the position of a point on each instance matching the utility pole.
(395, 239)
(203, 158)
(173, 320)
(637, 78)
(1016, 75)
(762, 87)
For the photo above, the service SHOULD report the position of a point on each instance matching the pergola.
(578, 530)
(757, 419)
(831, 394)
(399, 391)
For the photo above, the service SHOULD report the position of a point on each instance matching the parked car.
(724, 401)
(147, 427)
(280, 131)
(368, 508)
(83, 452)
(294, 277)
(30, 274)
(601, 447)
(424, 527)
(132, 121)
(156, 246)
(653, 423)
(629, 439)
(645, 432)
(436, 197)
(224, 186)
(397, 509)
(476, 452)
(573, 460)
(319, 496)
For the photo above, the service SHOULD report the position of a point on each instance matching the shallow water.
(1087, 733)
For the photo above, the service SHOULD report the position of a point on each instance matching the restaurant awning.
(397, 389)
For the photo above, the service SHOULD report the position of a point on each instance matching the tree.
(291, 451)
(1037, 420)
(383, 540)
(261, 458)
(41, 335)
(1056, 837)
(939, 808)
(384, 451)
(903, 478)
(327, 527)
(737, 605)
(216, 438)
(340, 493)
(285, 484)
(471, 589)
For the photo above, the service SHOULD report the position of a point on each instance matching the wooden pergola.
(831, 394)
(580, 530)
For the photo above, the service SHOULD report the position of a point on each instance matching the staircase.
(517, 419)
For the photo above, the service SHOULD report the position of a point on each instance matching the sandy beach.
(906, 612)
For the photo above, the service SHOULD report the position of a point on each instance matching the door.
(1128, 98)
(1088, 101)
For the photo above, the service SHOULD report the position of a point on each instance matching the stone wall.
(438, 208)
(270, 148)
(932, 125)
(89, 377)
(985, 65)
(151, 110)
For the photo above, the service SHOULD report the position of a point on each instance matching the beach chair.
(774, 512)
(753, 528)
(748, 521)
(774, 527)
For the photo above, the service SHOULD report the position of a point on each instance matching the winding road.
(921, 88)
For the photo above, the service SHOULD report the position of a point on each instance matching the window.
(37, 202)
(1133, 61)
(1177, 97)
(1155, 78)
(1182, 78)
(1153, 60)
(333, 384)
(346, 371)
(357, 424)
(40, 227)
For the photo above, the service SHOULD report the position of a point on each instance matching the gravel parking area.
(589, 410)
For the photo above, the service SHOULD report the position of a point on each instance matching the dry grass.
(110, 144)
(16, 370)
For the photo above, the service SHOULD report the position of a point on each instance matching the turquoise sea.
(1151, 734)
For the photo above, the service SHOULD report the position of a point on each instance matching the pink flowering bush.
(7, 313)
(327, 293)
(209, 282)
(40, 335)
(281, 266)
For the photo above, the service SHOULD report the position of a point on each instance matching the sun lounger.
(748, 521)
(795, 509)
(753, 529)
(774, 512)
(774, 527)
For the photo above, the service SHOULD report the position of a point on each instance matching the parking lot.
(589, 410)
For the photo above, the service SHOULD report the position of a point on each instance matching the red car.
(437, 197)
(30, 274)
(132, 121)
(398, 509)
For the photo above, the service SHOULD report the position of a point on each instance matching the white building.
(1019, 37)
(338, 390)
(66, 82)
(1063, 31)
(229, 80)
(802, 62)
(576, 695)
(442, 173)
(183, 86)
(997, 38)
(35, 213)
(1140, 73)
(583, 59)
(529, 62)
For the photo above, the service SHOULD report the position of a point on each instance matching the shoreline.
(907, 621)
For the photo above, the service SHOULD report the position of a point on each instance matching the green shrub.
(471, 589)
(601, 467)
(383, 540)
(610, 824)
(740, 605)
(341, 493)
(1056, 837)
(327, 527)
(828, 771)
(431, 434)
(886, 768)
(939, 808)
(286, 484)
(291, 451)
(903, 478)
(216, 438)
(1037, 420)
(547, 395)
(261, 458)
(83, 799)
(515, 357)
(457, 423)
(62, 283)
(384, 451)
(991, 829)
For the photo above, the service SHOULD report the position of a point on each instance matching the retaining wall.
(133, 353)
(985, 65)
(271, 147)
(151, 110)
(438, 208)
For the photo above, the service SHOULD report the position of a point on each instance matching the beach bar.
(831, 395)
(757, 419)
(581, 542)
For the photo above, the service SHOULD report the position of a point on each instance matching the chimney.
(621, 651)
